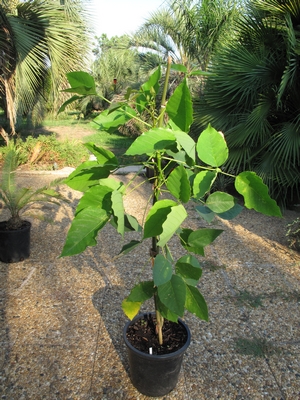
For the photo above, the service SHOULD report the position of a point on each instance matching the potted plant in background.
(184, 170)
(15, 232)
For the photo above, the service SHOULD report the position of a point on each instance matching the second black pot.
(14, 244)
(154, 375)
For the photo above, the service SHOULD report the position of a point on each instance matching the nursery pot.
(154, 375)
(14, 243)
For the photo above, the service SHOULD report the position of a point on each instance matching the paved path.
(61, 320)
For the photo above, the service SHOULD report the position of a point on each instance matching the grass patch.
(245, 298)
(256, 347)
(209, 265)
(115, 142)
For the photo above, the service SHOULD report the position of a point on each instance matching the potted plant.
(183, 172)
(15, 232)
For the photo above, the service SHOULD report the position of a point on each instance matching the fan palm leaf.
(253, 96)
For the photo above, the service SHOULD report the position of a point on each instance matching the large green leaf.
(81, 83)
(156, 217)
(153, 82)
(195, 303)
(179, 107)
(203, 182)
(219, 202)
(179, 67)
(203, 237)
(67, 102)
(165, 312)
(142, 292)
(87, 175)
(173, 221)
(104, 157)
(189, 269)
(187, 144)
(195, 241)
(118, 210)
(129, 246)
(205, 213)
(162, 270)
(97, 197)
(173, 294)
(83, 231)
(232, 213)
(110, 121)
(149, 142)
(256, 194)
(113, 184)
(179, 184)
(211, 147)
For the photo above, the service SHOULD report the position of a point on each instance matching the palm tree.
(40, 41)
(253, 95)
(115, 66)
(188, 30)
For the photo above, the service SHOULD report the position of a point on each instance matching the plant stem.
(159, 180)
(159, 326)
(164, 94)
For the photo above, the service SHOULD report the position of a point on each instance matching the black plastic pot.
(154, 375)
(14, 244)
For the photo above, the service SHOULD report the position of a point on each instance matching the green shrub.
(44, 152)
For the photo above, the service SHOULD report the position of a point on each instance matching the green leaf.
(142, 292)
(195, 303)
(112, 184)
(129, 246)
(179, 68)
(96, 197)
(179, 107)
(205, 213)
(195, 241)
(173, 294)
(232, 213)
(203, 237)
(67, 102)
(211, 147)
(81, 79)
(87, 175)
(187, 144)
(203, 73)
(165, 312)
(153, 81)
(132, 223)
(149, 142)
(220, 202)
(179, 184)
(256, 194)
(118, 210)
(174, 219)
(110, 121)
(104, 157)
(189, 269)
(156, 217)
(83, 231)
(131, 308)
(162, 270)
(203, 182)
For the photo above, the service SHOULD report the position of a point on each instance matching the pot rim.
(156, 356)
(25, 225)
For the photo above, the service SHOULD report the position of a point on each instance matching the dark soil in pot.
(155, 374)
(14, 244)
(142, 336)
